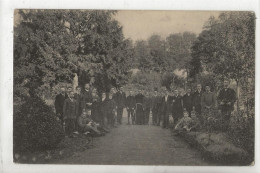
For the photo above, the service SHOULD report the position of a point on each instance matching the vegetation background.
(53, 47)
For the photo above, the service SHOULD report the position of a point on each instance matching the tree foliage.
(164, 55)
(226, 48)
(51, 45)
(179, 49)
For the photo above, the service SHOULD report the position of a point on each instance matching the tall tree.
(41, 51)
(158, 53)
(143, 57)
(51, 45)
(179, 49)
(227, 47)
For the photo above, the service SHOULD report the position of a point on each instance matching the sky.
(142, 24)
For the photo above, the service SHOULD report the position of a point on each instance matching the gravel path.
(138, 145)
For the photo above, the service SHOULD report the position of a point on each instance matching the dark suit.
(177, 110)
(110, 106)
(79, 107)
(103, 113)
(59, 102)
(196, 101)
(166, 110)
(139, 98)
(87, 98)
(155, 106)
(120, 101)
(130, 104)
(226, 96)
(79, 104)
(95, 111)
(147, 108)
(187, 102)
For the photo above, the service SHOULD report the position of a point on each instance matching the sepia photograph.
(134, 87)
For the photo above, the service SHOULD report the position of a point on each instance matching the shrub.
(212, 120)
(35, 127)
(242, 130)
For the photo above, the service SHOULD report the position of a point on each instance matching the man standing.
(139, 98)
(102, 107)
(120, 101)
(196, 99)
(208, 99)
(177, 111)
(87, 96)
(187, 101)
(113, 91)
(147, 108)
(166, 108)
(69, 110)
(79, 104)
(95, 109)
(59, 102)
(130, 106)
(110, 109)
(79, 101)
(208, 103)
(69, 89)
(155, 107)
(226, 100)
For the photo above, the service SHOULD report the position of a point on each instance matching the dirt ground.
(137, 145)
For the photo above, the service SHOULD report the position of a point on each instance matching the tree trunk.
(75, 82)
(238, 94)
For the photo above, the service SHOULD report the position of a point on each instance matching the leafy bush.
(147, 81)
(212, 120)
(242, 130)
(35, 127)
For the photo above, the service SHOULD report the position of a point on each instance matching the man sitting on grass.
(187, 124)
(184, 123)
(86, 124)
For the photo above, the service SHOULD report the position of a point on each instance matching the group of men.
(107, 109)
(167, 105)
(103, 111)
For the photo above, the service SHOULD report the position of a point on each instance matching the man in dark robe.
(147, 108)
(187, 101)
(155, 107)
(120, 101)
(59, 102)
(226, 100)
(139, 98)
(177, 111)
(130, 107)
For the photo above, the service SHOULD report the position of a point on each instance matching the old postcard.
(127, 87)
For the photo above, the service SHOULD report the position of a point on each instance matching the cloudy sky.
(141, 24)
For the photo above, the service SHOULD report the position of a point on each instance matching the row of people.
(106, 111)
(162, 107)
